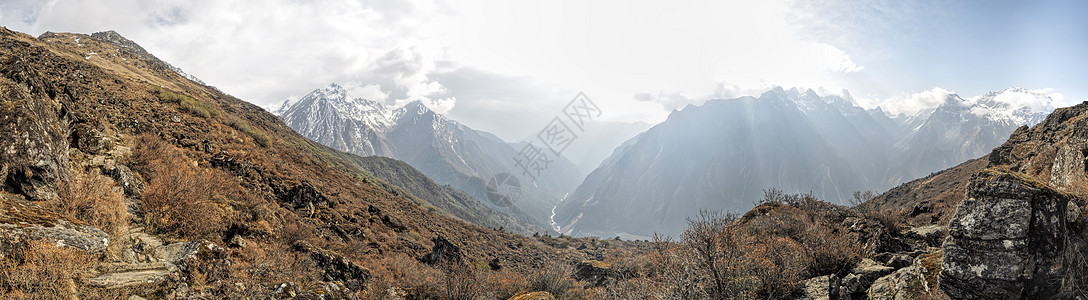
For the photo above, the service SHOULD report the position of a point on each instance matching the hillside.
(155, 185)
(444, 197)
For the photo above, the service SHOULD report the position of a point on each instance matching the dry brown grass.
(181, 198)
(95, 199)
(41, 270)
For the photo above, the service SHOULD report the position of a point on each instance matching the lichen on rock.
(1005, 240)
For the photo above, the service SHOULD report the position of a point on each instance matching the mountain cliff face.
(446, 151)
(723, 154)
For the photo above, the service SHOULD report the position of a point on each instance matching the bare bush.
(41, 270)
(555, 279)
(182, 199)
(95, 199)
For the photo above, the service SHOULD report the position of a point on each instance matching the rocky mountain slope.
(123, 178)
(446, 151)
(723, 154)
(444, 198)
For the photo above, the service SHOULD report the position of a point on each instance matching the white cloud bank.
(397, 51)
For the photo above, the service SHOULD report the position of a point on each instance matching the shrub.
(503, 284)
(95, 199)
(41, 270)
(762, 255)
(182, 199)
(555, 279)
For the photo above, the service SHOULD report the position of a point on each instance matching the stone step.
(124, 267)
(126, 279)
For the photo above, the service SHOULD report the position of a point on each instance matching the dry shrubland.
(764, 254)
(95, 199)
(40, 270)
(181, 198)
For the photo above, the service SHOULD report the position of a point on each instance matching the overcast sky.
(508, 66)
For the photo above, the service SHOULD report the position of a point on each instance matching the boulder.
(128, 180)
(896, 260)
(89, 139)
(872, 235)
(1006, 239)
(870, 270)
(336, 268)
(855, 284)
(904, 284)
(303, 195)
(821, 288)
(594, 272)
(443, 252)
(930, 235)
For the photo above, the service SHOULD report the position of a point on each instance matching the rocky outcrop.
(872, 235)
(1005, 240)
(336, 268)
(905, 283)
(304, 195)
(1055, 151)
(21, 220)
(443, 252)
(34, 154)
(595, 272)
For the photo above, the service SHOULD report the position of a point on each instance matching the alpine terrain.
(723, 154)
(446, 151)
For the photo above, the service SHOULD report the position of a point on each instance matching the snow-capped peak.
(1017, 105)
(414, 108)
(336, 97)
(809, 100)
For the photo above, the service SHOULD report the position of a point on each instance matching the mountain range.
(123, 178)
(444, 150)
(723, 154)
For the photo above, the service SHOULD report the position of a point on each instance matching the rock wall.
(34, 142)
(1006, 240)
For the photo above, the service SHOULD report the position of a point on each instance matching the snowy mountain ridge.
(1016, 105)
(722, 154)
(444, 150)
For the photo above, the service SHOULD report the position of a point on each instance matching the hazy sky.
(509, 66)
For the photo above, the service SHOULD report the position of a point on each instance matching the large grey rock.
(34, 143)
(21, 220)
(930, 235)
(870, 270)
(129, 181)
(906, 283)
(1005, 240)
(821, 288)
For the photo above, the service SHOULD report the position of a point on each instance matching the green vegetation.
(189, 104)
(258, 136)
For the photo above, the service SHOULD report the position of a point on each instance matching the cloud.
(1059, 98)
(268, 51)
(668, 101)
(909, 104)
(399, 51)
